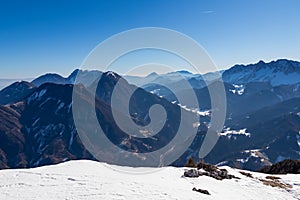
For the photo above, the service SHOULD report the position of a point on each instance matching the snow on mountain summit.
(280, 72)
(93, 180)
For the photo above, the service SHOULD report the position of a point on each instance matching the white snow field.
(94, 180)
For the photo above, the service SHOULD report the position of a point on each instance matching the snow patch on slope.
(194, 110)
(36, 95)
(239, 89)
(298, 139)
(229, 133)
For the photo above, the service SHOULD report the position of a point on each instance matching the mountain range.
(262, 123)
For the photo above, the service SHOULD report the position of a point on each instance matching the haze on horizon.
(37, 37)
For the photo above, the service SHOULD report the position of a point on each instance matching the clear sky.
(56, 35)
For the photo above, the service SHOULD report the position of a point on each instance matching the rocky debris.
(209, 170)
(273, 177)
(283, 167)
(206, 166)
(201, 191)
(192, 173)
(246, 174)
(275, 183)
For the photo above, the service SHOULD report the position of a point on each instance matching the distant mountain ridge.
(280, 72)
(262, 123)
(85, 76)
(6, 82)
(15, 92)
(44, 122)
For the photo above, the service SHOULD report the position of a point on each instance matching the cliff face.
(12, 140)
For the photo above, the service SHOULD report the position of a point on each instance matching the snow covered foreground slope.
(94, 180)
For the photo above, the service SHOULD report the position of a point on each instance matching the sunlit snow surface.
(93, 180)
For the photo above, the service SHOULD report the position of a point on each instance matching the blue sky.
(55, 36)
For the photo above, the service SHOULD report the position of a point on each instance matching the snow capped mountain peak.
(111, 74)
(280, 72)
